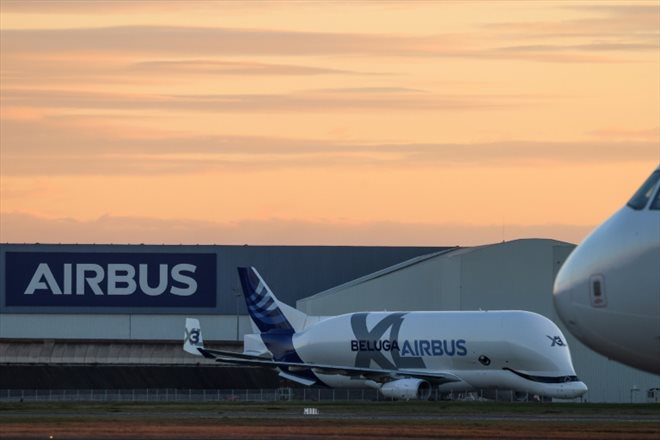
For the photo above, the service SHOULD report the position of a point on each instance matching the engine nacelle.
(407, 389)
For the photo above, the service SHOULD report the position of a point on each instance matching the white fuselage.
(608, 290)
(515, 350)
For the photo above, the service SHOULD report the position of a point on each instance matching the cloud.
(376, 90)
(593, 47)
(542, 56)
(39, 71)
(592, 29)
(649, 134)
(22, 227)
(353, 100)
(616, 29)
(216, 67)
(76, 7)
(617, 21)
(647, 12)
(73, 7)
(158, 41)
(62, 146)
(196, 41)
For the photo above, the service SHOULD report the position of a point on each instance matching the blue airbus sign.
(110, 279)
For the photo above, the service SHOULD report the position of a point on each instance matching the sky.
(323, 123)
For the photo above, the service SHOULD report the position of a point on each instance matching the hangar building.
(104, 316)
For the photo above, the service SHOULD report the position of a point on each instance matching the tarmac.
(308, 420)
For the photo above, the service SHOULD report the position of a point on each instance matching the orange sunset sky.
(339, 123)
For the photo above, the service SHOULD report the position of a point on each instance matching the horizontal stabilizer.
(224, 353)
(297, 379)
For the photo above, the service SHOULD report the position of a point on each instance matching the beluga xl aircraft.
(402, 354)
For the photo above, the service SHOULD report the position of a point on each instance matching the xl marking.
(192, 336)
(556, 340)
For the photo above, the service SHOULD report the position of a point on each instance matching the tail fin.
(192, 338)
(266, 311)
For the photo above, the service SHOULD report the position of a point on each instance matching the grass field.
(363, 420)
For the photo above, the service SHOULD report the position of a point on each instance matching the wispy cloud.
(73, 7)
(215, 67)
(21, 227)
(622, 134)
(369, 90)
(616, 30)
(179, 41)
(593, 47)
(61, 147)
(328, 100)
(61, 72)
(195, 41)
(615, 22)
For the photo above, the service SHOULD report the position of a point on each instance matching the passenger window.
(644, 193)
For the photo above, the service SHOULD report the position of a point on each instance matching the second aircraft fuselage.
(495, 349)
(608, 290)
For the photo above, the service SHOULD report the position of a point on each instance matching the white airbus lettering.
(43, 279)
(93, 281)
(144, 280)
(115, 279)
(121, 274)
(183, 279)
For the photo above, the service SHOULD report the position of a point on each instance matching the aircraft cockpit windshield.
(655, 205)
(645, 192)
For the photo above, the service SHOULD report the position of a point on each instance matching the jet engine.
(407, 389)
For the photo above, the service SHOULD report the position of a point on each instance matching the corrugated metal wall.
(129, 327)
(98, 352)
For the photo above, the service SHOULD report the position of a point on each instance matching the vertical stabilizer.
(267, 313)
(192, 337)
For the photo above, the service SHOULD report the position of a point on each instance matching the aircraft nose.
(579, 290)
(571, 290)
(563, 302)
(577, 389)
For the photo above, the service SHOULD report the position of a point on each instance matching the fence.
(224, 395)
(188, 395)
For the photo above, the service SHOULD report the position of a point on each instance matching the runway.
(353, 421)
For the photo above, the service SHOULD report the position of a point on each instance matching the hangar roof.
(384, 272)
(494, 276)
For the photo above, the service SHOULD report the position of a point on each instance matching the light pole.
(237, 295)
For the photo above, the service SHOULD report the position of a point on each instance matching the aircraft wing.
(375, 374)
(216, 354)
